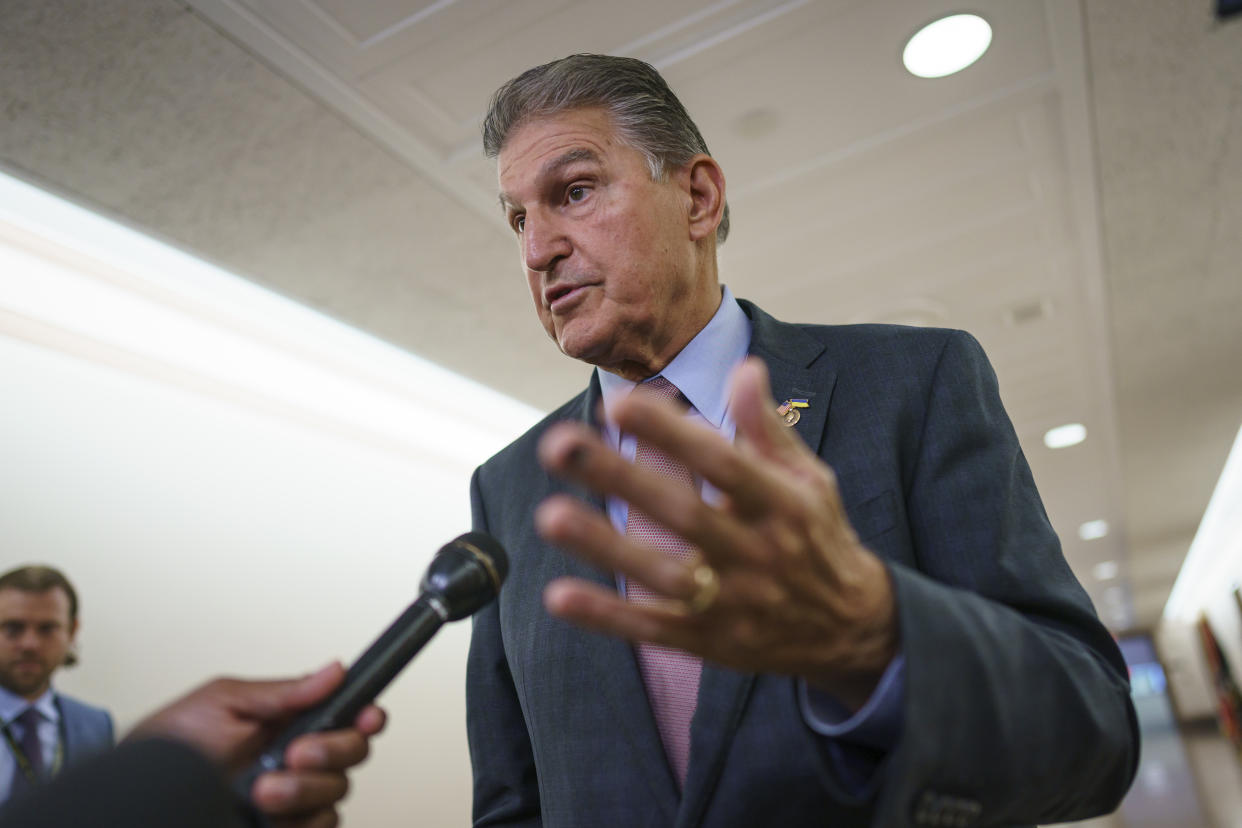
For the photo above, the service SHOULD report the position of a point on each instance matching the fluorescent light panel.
(105, 292)
(1212, 564)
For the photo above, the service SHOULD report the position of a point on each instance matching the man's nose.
(544, 243)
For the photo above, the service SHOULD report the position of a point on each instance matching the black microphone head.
(467, 573)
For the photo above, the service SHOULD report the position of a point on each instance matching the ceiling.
(1073, 199)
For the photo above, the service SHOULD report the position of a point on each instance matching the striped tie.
(671, 676)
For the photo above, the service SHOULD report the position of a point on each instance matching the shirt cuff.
(876, 725)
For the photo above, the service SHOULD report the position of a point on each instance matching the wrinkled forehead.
(551, 168)
(540, 148)
(539, 135)
(597, 118)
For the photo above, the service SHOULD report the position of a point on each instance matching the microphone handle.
(368, 676)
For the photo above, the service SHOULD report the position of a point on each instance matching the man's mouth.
(559, 298)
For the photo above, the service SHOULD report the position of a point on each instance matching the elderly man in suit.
(43, 730)
(805, 579)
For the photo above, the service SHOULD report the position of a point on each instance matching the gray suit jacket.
(1016, 708)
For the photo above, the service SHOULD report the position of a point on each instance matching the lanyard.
(23, 761)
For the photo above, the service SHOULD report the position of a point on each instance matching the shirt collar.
(13, 705)
(701, 370)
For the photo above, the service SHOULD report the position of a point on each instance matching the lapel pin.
(789, 412)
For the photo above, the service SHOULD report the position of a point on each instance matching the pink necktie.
(671, 676)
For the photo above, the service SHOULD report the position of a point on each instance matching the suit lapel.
(722, 699)
(791, 357)
(70, 731)
(796, 371)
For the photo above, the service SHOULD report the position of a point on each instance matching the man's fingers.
(754, 478)
(288, 792)
(603, 610)
(316, 687)
(575, 452)
(762, 433)
(751, 486)
(268, 700)
(331, 750)
(371, 720)
(754, 413)
(568, 523)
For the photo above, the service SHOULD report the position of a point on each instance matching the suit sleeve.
(506, 789)
(1017, 706)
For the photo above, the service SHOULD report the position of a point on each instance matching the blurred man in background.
(43, 730)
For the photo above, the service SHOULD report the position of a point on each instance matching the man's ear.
(707, 196)
(71, 657)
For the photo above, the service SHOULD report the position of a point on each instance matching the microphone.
(464, 576)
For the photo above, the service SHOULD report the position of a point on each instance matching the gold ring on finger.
(706, 589)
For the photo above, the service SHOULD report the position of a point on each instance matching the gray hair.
(645, 112)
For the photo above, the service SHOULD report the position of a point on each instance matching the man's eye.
(577, 192)
(519, 223)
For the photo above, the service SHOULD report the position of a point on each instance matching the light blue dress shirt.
(12, 706)
(701, 372)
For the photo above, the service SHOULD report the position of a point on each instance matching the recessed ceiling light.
(1105, 570)
(1070, 434)
(1093, 529)
(948, 45)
